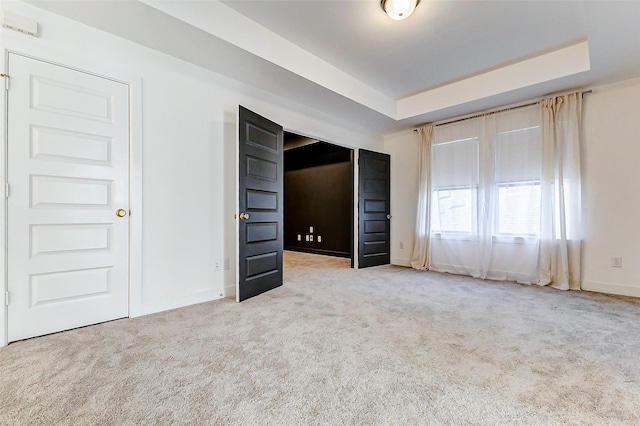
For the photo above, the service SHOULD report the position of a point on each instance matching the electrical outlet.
(217, 264)
(616, 262)
(226, 263)
(319, 239)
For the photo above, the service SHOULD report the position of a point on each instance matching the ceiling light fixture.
(399, 9)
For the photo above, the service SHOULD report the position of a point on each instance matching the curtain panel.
(421, 247)
(561, 225)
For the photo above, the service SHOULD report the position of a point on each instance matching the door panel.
(260, 232)
(374, 209)
(68, 171)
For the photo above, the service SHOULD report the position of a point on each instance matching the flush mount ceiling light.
(399, 9)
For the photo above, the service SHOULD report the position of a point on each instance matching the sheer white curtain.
(561, 214)
(486, 196)
(421, 252)
(500, 195)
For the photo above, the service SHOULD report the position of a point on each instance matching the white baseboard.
(153, 307)
(401, 262)
(230, 290)
(611, 288)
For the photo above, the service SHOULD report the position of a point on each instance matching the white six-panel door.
(68, 175)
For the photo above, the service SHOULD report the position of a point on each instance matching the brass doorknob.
(121, 212)
(244, 216)
(389, 216)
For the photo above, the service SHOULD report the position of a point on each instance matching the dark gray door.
(261, 205)
(374, 209)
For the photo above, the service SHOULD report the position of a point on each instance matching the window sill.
(515, 239)
(458, 236)
(496, 239)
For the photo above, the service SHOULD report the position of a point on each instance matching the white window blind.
(518, 169)
(454, 185)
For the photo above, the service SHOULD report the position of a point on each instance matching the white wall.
(611, 200)
(189, 152)
(403, 149)
(611, 197)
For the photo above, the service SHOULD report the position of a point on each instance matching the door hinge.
(6, 298)
(6, 80)
(6, 190)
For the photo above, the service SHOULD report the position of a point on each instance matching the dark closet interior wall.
(318, 197)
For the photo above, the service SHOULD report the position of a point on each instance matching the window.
(455, 186)
(486, 178)
(518, 168)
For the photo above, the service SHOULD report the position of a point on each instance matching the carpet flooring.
(336, 346)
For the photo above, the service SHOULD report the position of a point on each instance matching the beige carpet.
(336, 346)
